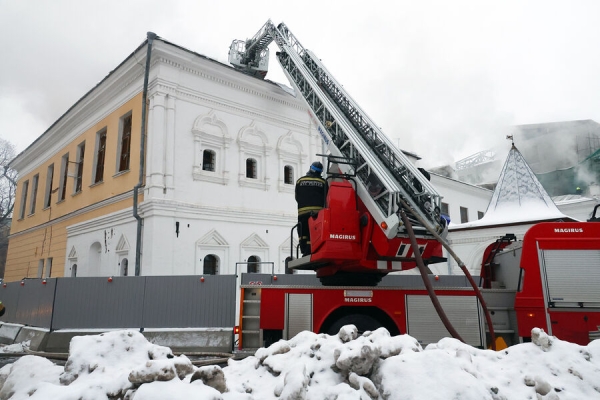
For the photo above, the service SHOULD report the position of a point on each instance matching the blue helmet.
(316, 167)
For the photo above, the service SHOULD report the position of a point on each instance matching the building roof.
(518, 198)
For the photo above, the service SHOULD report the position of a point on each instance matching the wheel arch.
(365, 318)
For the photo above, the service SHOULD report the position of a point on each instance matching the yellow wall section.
(25, 250)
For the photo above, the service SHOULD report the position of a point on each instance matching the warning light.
(236, 330)
(22, 283)
(437, 277)
(384, 225)
(110, 278)
(202, 279)
(4, 285)
(274, 277)
(44, 282)
(530, 315)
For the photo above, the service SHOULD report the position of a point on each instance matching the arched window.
(253, 264)
(124, 267)
(251, 168)
(74, 271)
(288, 175)
(211, 265)
(208, 160)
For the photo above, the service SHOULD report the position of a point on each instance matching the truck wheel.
(362, 322)
(351, 279)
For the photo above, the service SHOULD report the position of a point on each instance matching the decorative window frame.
(253, 143)
(289, 152)
(210, 133)
(254, 245)
(212, 243)
(72, 257)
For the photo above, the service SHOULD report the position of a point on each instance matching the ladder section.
(386, 180)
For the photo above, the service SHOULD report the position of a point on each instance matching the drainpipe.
(138, 241)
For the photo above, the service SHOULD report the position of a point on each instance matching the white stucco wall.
(198, 105)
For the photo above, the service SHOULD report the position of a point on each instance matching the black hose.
(486, 312)
(421, 266)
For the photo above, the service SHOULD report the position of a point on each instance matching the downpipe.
(136, 188)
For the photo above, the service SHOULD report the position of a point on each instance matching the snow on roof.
(518, 197)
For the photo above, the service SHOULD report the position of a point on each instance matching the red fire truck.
(548, 280)
(382, 216)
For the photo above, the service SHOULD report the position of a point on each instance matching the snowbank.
(124, 365)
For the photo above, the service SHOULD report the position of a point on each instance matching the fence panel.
(90, 303)
(187, 302)
(9, 296)
(35, 302)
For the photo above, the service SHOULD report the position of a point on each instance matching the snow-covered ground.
(124, 365)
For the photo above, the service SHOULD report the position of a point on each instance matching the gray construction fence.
(146, 303)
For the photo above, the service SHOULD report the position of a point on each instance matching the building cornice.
(170, 208)
(81, 211)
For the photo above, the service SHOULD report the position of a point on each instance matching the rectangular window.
(100, 153)
(40, 268)
(464, 215)
(23, 199)
(288, 175)
(445, 209)
(125, 143)
(49, 177)
(480, 214)
(251, 168)
(48, 267)
(34, 188)
(64, 174)
(79, 176)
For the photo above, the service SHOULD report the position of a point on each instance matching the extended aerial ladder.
(350, 134)
(404, 205)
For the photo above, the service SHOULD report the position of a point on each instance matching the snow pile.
(124, 365)
(16, 347)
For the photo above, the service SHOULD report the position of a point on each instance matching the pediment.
(72, 253)
(212, 238)
(254, 241)
(122, 244)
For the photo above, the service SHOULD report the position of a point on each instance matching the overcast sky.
(441, 78)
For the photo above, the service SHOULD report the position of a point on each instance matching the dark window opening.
(100, 153)
(480, 214)
(124, 267)
(251, 168)
(34, 188)
(208, 160)
(49, 181)
(288, 175)
(24, 199)
(65, 175)
(211, 265)
(125, 144)
(79, 179)
(253, 264)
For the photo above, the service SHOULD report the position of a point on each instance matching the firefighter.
(310, 196)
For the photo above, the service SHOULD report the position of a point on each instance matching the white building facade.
(223, 153)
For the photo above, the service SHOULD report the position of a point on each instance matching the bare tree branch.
(8, 180)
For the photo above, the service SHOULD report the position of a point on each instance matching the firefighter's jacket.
(310, 193)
